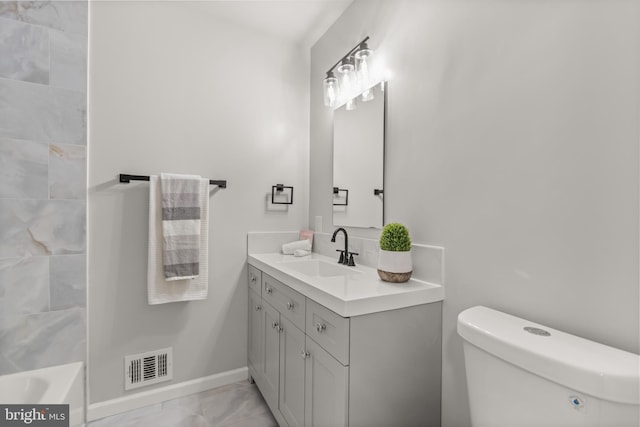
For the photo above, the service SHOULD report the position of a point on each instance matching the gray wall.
(512, 141)
(176, 89)
(43, 75)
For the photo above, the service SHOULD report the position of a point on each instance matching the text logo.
(34, 415)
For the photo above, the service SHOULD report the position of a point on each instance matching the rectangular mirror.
(358, 162)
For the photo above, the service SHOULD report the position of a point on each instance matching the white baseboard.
(99, 410)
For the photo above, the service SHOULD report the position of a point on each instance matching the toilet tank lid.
(576, 363)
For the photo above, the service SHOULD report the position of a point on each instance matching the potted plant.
(394, 261)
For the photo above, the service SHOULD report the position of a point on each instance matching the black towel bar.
(125, 178)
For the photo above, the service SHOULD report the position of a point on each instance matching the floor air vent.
(148, 368)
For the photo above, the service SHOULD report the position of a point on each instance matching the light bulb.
(330, 86)
(346, 77)
(363, 57)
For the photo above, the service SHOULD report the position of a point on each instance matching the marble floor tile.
(191, 403)
(170, 417)
(263, 420)
(239, 402)
(125, 417)
(235, 405)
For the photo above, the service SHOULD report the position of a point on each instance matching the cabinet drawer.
(328, 329)
(255, 279)
(288, 302)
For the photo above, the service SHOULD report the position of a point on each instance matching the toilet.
(520, 373)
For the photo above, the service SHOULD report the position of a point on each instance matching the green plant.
(395, 237)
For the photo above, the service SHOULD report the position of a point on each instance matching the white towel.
(159, 290)
(290, 248)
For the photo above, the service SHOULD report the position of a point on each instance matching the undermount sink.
(315, 267)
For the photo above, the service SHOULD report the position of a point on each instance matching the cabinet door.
(256, 333)
(326, 389)
(292, 367)
(270, 367)
(255, 279)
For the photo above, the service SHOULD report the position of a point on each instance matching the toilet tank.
(520, 373)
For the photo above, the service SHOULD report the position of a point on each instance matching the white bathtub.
(57, 384)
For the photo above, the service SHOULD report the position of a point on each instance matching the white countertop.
(351, 295)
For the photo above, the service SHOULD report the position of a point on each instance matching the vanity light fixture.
(355, 78)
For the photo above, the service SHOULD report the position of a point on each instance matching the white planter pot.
(395, 267)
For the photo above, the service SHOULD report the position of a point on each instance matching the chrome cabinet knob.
(268, 290)
(289, 305)
(320, 327)
(253, 279)
(304, 354)
(258, 308)
(274, 325)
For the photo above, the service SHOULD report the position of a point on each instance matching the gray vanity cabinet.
(255, 348)
(303, 384)
(292, 373)
(326, 388)
(255, 279)
(269, 370)
(263, 347)
(316, 368)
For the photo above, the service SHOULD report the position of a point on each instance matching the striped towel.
(160, 290)
(180, 226)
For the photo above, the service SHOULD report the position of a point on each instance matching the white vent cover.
(148, 368)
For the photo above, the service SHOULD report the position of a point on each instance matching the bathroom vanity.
(331, 345)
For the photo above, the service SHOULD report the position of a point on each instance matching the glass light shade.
(330, 86)
(363, 53)
(364, 58)
(356, 76)
(346, 76)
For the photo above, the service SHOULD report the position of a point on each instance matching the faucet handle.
(342, 256)
(352, 263)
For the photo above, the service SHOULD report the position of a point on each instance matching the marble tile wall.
(43, 161)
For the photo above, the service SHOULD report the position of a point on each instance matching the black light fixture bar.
(356, 47)
(125, 178)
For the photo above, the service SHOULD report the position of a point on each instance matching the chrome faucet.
(346, 257)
